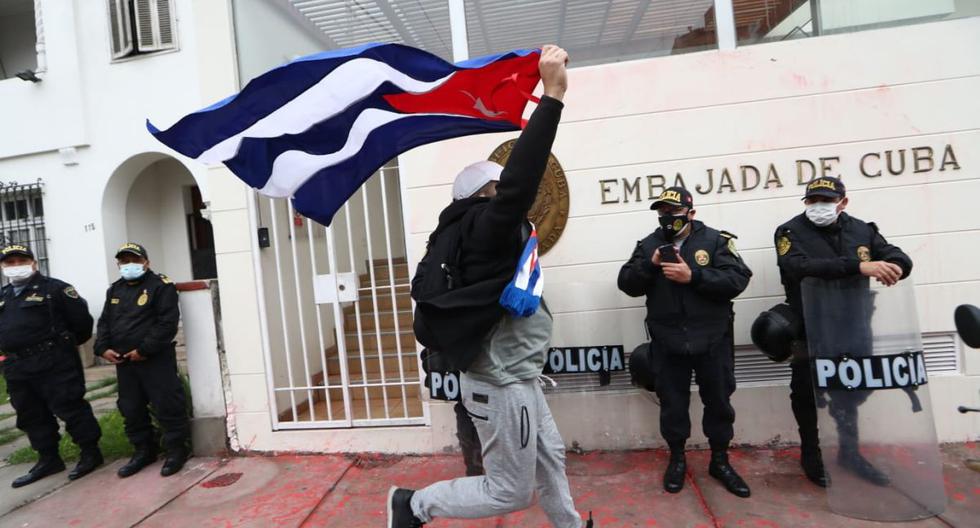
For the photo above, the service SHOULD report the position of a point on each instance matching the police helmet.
(644, 367)
(775, 330)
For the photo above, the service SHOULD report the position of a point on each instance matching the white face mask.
(822, 213)
(18, 274)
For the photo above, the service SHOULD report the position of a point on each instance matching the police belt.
(45, 346)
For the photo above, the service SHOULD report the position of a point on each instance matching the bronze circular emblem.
(864, 254)
(550, 210)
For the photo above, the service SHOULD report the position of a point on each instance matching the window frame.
(130, 11)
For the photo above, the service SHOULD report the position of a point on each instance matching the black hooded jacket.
(492, 241)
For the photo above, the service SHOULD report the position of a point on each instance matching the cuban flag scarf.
(317, 128)
(522, 296)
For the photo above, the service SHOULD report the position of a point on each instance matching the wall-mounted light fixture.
(29, 75)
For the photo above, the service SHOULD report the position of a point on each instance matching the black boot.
(49, 464)
(721, 470)
(812, 462)
(676, 472)
(176, 458)
(144, 456)
(852, 460)
(90, 459)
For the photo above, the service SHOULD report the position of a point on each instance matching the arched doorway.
(154, 200)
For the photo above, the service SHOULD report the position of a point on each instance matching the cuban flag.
(522, 295)
(317, 128)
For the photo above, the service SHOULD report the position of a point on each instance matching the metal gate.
(337, 314)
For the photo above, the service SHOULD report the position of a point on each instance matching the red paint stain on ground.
(222, 481)
(959, 497)
(766, 522)
(976, 491)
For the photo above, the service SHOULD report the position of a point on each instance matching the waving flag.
(318, 127)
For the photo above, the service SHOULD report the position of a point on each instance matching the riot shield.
(874, 412)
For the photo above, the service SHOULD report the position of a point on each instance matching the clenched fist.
(554, 75)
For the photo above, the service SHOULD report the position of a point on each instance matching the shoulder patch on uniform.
(71, 292)
(783, 245)
(165, 279)
(114, 300)
(731, 248)
(727, 235)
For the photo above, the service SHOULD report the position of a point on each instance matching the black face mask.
(673, 224)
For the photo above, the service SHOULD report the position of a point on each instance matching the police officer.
(690, 273)
(136, 333)
(42, 322)
(827, 243)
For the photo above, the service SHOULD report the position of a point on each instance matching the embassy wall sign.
(550, 210)
(772, 176)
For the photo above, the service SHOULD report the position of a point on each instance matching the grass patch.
(114, 444)
(9, 435)
(4, 397)
(4, 416)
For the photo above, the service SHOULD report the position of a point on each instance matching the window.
(22, 219)
(18, 38)
(140, 27)
(773, 20)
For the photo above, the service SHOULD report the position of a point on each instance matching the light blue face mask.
(131, 271)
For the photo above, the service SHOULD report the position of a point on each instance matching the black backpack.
(439, 270)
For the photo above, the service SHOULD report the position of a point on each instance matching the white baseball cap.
(474, 177)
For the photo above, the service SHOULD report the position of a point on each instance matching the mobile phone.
(668, 253)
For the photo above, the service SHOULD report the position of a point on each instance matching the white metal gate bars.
(337, 313)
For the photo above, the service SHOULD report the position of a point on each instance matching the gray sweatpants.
(522, 452)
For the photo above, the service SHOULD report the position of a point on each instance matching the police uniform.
(41, 327)
(832, 252)
(691, 327)
(143, 315)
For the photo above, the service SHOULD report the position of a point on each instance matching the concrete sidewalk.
(620, 488)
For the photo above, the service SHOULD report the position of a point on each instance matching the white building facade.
(740, 101)
(79, 131)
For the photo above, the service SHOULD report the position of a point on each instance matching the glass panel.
(592, 32)
(21, 209)
(772, 20)
(39, 244)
